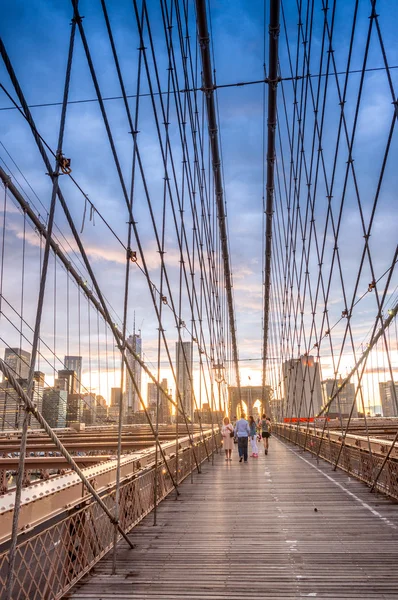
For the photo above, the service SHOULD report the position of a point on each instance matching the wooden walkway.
(278, 527)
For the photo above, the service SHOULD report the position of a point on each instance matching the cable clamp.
(372, 285)
(131, 255)
(64, 164)
(77, 19)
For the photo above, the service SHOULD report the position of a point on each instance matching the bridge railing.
(49, 563)
(359, 456)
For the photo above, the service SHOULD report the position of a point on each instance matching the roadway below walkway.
(278, 527)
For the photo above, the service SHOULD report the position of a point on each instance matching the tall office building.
(12, 407)
(74, 409)
(388, 398)
(115, 396)
(19, 362)
(113, 410)
(38, 391)
(164, 403)
(132, 403)
(101, 409)
(54, 407)
(67, 380)
(74, 363)
(302, 383)
(342, 404)
(184, 376)
(89, 409)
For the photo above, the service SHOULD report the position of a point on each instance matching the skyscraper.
(152, 398)
(341, 405)
(132, 399)
(12, 407)
(113, 411)
(74, 363)
(116, 392)
(89, 408)
(19, 362)
(388, 398)
(67, 380)
(302, 383)
(184, 376)
(38, 390)
(54, 407)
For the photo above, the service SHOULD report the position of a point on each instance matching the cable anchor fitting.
(64, 164)
(131, 255)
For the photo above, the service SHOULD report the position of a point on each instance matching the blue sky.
(36, 35)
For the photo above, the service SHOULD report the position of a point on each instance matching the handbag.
(231, 434)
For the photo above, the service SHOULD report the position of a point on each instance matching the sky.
(36, 35)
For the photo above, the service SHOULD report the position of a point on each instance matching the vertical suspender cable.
(271, 129)
(208, 88)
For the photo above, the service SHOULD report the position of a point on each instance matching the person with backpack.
(265, 426)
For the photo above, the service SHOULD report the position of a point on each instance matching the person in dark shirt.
(265, 427)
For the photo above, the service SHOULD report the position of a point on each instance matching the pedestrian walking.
(265, 432)
(242, 432)
(253, 437)
(227, 432)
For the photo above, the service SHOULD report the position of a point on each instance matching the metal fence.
(358, 457)
(50, 563)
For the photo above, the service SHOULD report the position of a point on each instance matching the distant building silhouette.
(67, 380)
(102, 409)
(164, 403)
(74, 412)
(89, 409)
(74, 363)
(11, 405)
(113, 410)
(342, 404)
(302, 383)
(387, 398)
(19, 362)
(54, 406)
(184, 376)
(132, 403)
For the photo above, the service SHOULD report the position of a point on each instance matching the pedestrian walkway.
(280, 526)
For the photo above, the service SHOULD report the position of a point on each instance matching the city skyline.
(66, 382)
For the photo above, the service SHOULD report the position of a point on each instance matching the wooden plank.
(246, 531)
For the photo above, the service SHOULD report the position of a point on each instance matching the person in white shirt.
(228, 439)
(242, 432)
